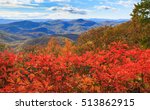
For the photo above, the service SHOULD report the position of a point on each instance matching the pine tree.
(141, 12)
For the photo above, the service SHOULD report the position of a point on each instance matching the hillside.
(52, 27)
(101, 37)
(38, 32)
(7, 37)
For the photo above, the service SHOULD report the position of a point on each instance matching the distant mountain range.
(6, 21)
(23, 30)
(53, 27)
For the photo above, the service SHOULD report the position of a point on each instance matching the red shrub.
(118, 69)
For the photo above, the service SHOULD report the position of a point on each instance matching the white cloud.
(15, 2)
(126, 3)
(25, 3)
(68, 9)
(18, 6)
(19, 3)
(39, 15)
(38, 1)
(59, 0)
(21, 15)
(41, 1)
(103, 7)
(64, 15)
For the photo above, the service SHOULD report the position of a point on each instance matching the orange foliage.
(118, 69)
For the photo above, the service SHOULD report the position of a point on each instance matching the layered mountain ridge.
(12, 31)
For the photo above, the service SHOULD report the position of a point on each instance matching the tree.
(141, 12)
(141, 22)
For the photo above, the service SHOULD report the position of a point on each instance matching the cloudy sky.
(66, 9)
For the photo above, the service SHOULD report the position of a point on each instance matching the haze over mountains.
(6, 21)
(23, 30)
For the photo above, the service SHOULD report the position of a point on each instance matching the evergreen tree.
(141, 12)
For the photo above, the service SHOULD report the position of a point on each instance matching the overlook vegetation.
(103, 59)
(135, 32)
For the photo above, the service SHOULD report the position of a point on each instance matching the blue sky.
(66, 9)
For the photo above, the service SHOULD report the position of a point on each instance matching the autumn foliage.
(118, 69)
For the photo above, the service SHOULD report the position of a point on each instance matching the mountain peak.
(25, 24)
(80, 20)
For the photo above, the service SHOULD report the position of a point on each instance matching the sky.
(66, 9)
